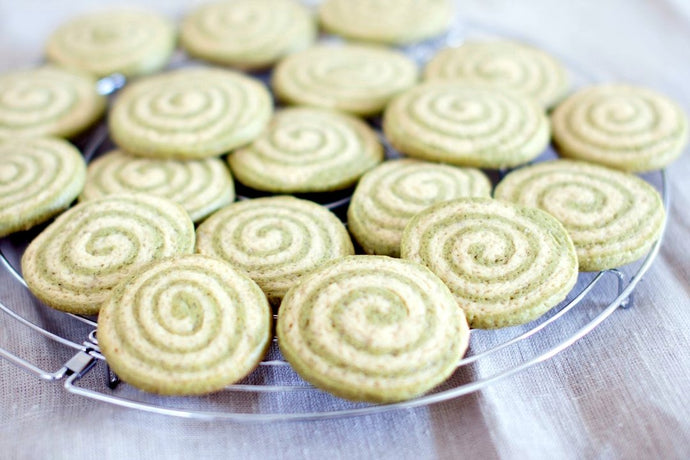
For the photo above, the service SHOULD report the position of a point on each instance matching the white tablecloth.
(621, 392)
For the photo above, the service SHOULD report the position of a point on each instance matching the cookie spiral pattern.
(38, 179)
(505, 264)
(47, 101)
(74, 264)
(189, 114)
(612, 217)
(621, 126)
(308, 150)
(130, 42)
(183, 326)
(387, 197)
(505, 65)
(199, 186)
(371, 328)
(276, 241)
(248, 34)
(466, 125)
(386, 21)
(356, 79)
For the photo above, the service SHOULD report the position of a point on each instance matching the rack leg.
(622, 279)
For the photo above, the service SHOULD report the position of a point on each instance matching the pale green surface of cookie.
(612, 217)
(47, 101)
(201, 187)
(190, 113)
(356, 79)
(38, 179)
(308, 150)
(505, 264)
(372, 328)
(130, 42)
(248, 34)
(466, 125)
(276, 241)
(386, 21)
(621, 126)
(388, 196)
(185, 325)
(75, 263)
(505, 65)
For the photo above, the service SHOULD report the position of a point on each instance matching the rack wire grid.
(274, 392)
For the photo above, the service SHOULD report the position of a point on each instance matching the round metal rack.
(274, 392)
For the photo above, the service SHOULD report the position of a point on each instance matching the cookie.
(308, 150)
(276, 240)
(201, 187)
(505, 264)
(74, 264)
(356, 79)
(466, 125)
(612, 217)
(386, 21)
(47, 101)
(621, 126)
(247, 34)
(505, 65)
(130, 42)
(186, 325)
(189, 114)
(38, 179)
(388, 196)
(372, 328)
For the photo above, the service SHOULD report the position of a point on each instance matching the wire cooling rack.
(274, 392)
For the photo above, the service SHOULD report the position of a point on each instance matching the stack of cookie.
(367, 327)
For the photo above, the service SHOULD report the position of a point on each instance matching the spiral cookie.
(505, 264)
(38, 179)
(248, 34)
(74, 264)
(308, 150)
(621, 126)
(185, 325)
(386, 21)
(47, 101)
(199, 186)
(130, 42)
(505, 65)
(466, 125)
(388, 196)
(276, 241)
(356, 79)
(612, 217)
(371, 328)
(189, 114)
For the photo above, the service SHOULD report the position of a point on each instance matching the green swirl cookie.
(612, 217)
(621, 126)
(248, 34)
(386, 21)
(184, 326)
(276, 240)
(127, 41)
(372, 328)
(505, 264)
(308, 150)
(201, 187)
(38, 179)
(466, 125)
(356, 79)
(190, 113)
(388, 196)
(47, 101)
(505, 65)
(74, 264)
